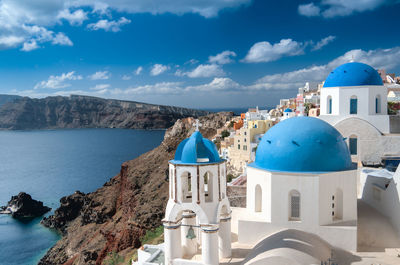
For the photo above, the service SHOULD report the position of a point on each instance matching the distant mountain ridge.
(8, 98)
(22, 113)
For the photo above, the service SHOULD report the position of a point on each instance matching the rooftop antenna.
(197, 124)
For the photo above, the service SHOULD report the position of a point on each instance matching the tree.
(307, 107)
(225, 133)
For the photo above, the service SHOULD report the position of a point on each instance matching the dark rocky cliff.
(88, 112)
(116, 216)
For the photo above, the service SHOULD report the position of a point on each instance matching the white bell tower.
(198, 211)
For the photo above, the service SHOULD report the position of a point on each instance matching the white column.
(189, 245)
(172, 239)
(209, 254)
(224, 238)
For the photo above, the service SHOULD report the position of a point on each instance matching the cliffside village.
(320, 174)
(237, 141)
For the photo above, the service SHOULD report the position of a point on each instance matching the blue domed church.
(354, 101)
(303, 179)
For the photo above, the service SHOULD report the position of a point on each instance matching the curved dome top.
(353, 74)
(303, 144)
(196, 150)
(288, 110)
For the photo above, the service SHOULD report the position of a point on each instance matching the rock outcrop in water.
(88, 112)
(116, 216)
(23, 206)
(70, 208)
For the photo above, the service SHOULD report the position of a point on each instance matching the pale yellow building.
(245, 143)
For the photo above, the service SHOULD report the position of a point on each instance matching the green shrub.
(225, 133)
(151, 235)
(113, 258)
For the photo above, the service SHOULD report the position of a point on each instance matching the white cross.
(197, 124)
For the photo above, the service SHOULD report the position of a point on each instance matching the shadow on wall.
(297, 247)
(379, 214)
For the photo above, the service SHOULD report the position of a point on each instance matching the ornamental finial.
(197, 124)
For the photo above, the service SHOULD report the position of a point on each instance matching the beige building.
(245, 143)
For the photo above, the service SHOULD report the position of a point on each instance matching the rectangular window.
(295, 207)
(353, 106)
(353, 146)
(330, 106)
(238, 146)
(245, 147)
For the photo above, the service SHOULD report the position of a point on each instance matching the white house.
(354, 101)
(302, 179)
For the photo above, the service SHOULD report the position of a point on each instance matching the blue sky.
(204, 53)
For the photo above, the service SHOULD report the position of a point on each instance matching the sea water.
(50, 164)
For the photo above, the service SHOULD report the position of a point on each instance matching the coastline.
(118, 214)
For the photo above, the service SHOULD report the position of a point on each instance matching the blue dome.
(353, 74)
(303, 144)
(288, 110)
(196, 150)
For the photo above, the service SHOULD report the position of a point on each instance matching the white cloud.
(24, 22)
(10, 41)
(100, 75)
(205, 8)
(380, 58)
(100, 87)
(109, 25)
(126, 77)
(192, 61)
(323, 42)
(309, 10)
(157, 69)
(31, 36)
(138, 71)
(205, 70)
(338, 8)
(224, 57)
(55, 81)
(61, 39)
(217, 84)
(30, 46)
(265, 52)
(15, 14)
(75, 18)
(158, 88)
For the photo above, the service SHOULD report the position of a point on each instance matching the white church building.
(302, 179)
(198, 212)
(354, 101)
(301, 191)
(302, 183)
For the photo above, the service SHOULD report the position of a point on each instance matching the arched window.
(294, 205)
(186, 186)
(329, 105)
(337, 205)
(207, 178)
(353, 105)
(378, 104)
(353, 145)
(258, 199)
